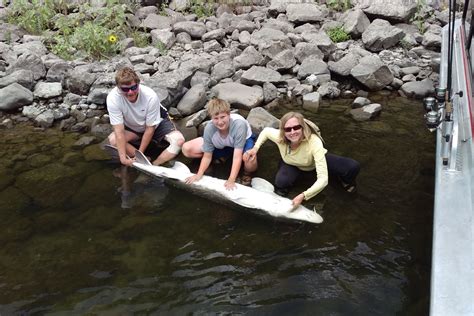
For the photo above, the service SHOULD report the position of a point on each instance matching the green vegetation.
(161, 47)
(338, 34)
(405, 44)
(201, 8)
(420, 16)
(77, 32)
(339, 5)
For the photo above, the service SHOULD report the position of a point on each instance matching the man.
(137, 115)
(225, 136)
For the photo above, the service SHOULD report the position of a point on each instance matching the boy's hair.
(216, 106)
(126, 75)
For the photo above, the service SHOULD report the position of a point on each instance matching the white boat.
(451, 114)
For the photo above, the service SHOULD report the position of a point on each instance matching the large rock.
(29, 61)
(322, 40)
(418, 89)
(395, 10)
(193, 101)
(248, 58)
(344, 65)
(34, 47)
(381, 35)
(305, 12)
(223, 69)
(164, 36)
(47, 90)
(312, 66)
(14, 96)
(283, 61)
(239, 95)
(355, 22)
(372, 73)
(195, 29)
(21, 76)
(432, 37)
(366, 112)
(303, 50)
(259, 118)
(79, 81)
(155, 21)
(270, 42)
(259, 75)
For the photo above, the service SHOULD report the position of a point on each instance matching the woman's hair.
(126, 75)
(301, 120)
(216, 106)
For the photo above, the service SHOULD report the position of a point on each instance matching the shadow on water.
(79, 236)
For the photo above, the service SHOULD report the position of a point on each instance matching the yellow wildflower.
(112, 38)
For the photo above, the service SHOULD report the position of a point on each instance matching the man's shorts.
(164, 128)
(227, 152)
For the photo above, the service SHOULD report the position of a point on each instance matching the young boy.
(226, 135)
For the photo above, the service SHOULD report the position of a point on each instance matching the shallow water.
(69, 248)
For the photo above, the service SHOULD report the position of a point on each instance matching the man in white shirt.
(136, 114)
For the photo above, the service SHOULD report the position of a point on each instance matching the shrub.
(86, 32)
(202, 8)
(338, 34)
(339, 5)
(33, 16)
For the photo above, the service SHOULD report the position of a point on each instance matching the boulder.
(239, 95)
(14, 96)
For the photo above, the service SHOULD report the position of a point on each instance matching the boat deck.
(452, 275)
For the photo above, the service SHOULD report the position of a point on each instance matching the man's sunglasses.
(126, 89)
(292, 128)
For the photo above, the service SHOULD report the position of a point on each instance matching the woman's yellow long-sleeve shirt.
(310, 155)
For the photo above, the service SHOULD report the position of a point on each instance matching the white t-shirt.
(136, 116)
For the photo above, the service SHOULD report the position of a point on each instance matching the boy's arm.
(234, 171)
(205, 162)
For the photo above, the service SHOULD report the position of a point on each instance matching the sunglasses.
(126, 89)
(292, 128)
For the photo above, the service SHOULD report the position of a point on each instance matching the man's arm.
(146, 139)
(119, 131)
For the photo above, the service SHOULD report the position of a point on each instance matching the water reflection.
(69, 246)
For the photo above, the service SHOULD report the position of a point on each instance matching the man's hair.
(126, 75)
(216, 106)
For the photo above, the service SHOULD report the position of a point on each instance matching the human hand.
(192, 179)
(250, 154)
(127, 161)
(297, 201)
(230, 185)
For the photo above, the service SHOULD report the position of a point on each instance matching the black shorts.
(164, 128)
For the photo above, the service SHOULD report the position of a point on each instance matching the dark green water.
(69, 248)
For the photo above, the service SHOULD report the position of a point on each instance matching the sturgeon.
(260, 198)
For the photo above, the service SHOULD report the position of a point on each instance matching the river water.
(74, 241)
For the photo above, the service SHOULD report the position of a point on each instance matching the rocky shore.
(253, 56)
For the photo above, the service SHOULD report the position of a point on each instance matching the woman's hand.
(250, 154)
(297, 200)
(193, 178)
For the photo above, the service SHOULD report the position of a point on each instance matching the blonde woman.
(302, 151)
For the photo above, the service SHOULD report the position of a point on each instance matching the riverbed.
(80, 236)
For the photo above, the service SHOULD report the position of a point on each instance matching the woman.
(302, 151)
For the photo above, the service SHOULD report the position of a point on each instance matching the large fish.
(260, 198)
